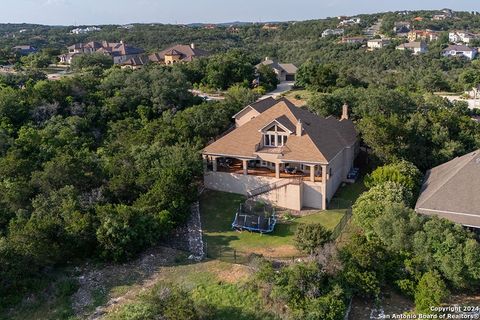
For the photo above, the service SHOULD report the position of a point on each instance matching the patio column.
(214, 164)
(245, 167)
(312, 173)
(277, 170)
(324, 183)
(205, 163)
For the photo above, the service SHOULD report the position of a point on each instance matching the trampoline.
(255, 216)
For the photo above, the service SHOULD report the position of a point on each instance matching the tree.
(318, 77)
(308, 237)
(401, 172)
(86, 61)
(431, 291)
(268, 77)
(371, 204)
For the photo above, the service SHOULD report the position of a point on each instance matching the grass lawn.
(218, 210)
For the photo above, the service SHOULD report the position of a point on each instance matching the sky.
(95, 12)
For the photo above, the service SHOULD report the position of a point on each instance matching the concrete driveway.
(281, 88)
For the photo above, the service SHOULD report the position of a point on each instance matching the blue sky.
(69, 12)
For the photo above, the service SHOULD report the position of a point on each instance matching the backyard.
(218, 210)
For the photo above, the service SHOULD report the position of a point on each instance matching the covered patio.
(252, 167)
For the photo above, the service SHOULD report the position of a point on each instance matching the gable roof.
(321, 141)
(459, 48)
(259, 106)
(289, 68)
(452, 190)
(185, 51)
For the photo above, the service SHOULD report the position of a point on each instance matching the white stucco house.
(460, 51)
(416, 47)
(282, 154)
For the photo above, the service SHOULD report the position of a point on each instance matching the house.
(418, 19)
(135, 62)
(460, 51)
(461, 37)
(284, 71)
(402, 27)
(439, 17)
(374, 44)
(24, 50)
(84, 30)
(284, 155)
(416, 47)
(451, 191)
(427, 35)
(178, 53)
(353, 40)
(332, 32)
(118, 51)
(270, 26)
(349, 22)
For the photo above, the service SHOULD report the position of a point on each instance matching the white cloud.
(55, 2)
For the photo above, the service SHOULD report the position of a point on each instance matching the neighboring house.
(439, 17)
(374, 44)
(402, 27)
(178, 53)
(451, 191)
(135, 63)
(119, 51)
(416, 47)
(270, 26)
(349, 22)
(282, 154)
(24, 50)
(332, 32)
(84, 30)
(353, 40)
(461, 37)
(284, 71)
(427, 35)
(459, 51)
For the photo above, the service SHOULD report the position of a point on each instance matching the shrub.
(431, 291)
(308, 237)
(402, 172)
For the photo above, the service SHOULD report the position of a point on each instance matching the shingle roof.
(289, 68)
(321, 141)
(452, 190)
(186, 51)
(262, 105)
(458, 48)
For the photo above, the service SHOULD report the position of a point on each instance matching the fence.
(231, 255)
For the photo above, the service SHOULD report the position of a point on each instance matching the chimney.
(299, 128)
(267, 58)
(344, 112)
(192, 45)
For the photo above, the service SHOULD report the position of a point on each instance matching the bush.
(308, 237)
(402, 172)
(431, 291)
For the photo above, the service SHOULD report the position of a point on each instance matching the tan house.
(452, 191)
(284, 71)
(416, 47)
(282, 154)
(177, 53)
(427, 35)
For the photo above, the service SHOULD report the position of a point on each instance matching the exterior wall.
(340, 166)
(312, 195)
(295, 197)
(245, 116)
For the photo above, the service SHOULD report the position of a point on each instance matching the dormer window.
(275, 136)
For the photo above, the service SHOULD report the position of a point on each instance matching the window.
(275, 136)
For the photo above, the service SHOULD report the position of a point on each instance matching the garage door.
(290, 77)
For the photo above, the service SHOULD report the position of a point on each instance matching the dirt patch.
(234, 274)
(96, 283)
(390, 303)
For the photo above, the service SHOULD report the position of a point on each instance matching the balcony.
(236, 166)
